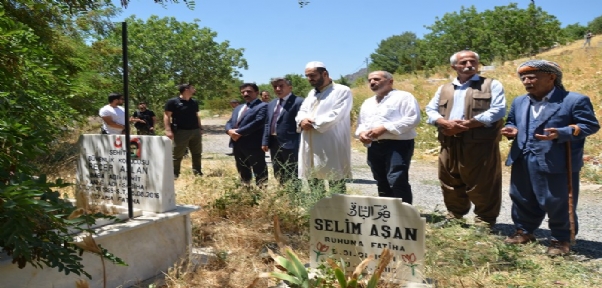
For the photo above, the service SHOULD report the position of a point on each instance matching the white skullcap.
(315, 64)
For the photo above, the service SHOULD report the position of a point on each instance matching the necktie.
(275, 117)
(241, 114)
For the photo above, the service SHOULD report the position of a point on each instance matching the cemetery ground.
(237, 226)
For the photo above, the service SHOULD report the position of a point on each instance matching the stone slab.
(149, 244)
(101, 171)
(351, 227)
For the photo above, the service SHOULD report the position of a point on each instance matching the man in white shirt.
(387, 126)
(113, 115)
(468, 113)
(324, 123)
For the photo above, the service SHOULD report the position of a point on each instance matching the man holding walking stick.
(549, 126)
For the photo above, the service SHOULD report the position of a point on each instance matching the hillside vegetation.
(582, 73)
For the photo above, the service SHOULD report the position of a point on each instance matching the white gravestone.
(352, 227)
(101, 171)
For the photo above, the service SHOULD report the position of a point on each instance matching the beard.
(318, 83)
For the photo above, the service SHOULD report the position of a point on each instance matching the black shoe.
(230, 154)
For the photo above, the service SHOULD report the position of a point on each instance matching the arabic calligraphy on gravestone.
(351, 227)
(101, 171)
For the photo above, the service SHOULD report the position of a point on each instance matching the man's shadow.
(586, 248)
(361, 181)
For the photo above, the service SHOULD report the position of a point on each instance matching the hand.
(234, 135)
(364, 138)
(265, 148)
(509, 132)
(376, 132)
(551, 134)
(151, 128)
(169, 134)
(451, 128)
(307, 124)
(141, 121)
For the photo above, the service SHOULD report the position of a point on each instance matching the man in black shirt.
(183, 126)
(144, 120)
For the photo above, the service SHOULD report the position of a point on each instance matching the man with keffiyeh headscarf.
(541, 123)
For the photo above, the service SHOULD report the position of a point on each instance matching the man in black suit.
(280, 136)
(245, 129)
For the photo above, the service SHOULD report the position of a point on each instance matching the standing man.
(113, 115)
(546, 123)
(265, 96)
(588, 39)
(469, 114)
(387, 126)
(245, 129)
(144, 120)
(324, 123)
(183, 126)
(280, 134)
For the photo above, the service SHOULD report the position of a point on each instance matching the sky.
(279, 37)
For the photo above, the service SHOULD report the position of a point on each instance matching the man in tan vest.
(468, 113)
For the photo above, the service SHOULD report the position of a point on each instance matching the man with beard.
(469, 114)
(545, 124)
(324, 123)
(183, 126)
(387, 126)
(280, 135)
(144, 120)
(245, 129)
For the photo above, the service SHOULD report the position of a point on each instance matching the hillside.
(582, 72)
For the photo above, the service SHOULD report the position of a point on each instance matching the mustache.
(469, 69)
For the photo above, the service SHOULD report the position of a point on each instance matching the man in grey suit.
(280, 135)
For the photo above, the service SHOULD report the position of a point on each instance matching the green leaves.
(163, 53)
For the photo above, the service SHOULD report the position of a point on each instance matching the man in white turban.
(324, 123)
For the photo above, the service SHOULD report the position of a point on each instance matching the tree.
(37, 105)
(397, 54)
(164, 53)
(595, 26)
(502, 33)
(300, 85)
(574, 32)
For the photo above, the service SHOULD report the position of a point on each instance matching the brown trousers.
(471, 172)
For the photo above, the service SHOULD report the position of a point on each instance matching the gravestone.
(351, 227)
(101, 171)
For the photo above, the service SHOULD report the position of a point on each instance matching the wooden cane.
(569, 167)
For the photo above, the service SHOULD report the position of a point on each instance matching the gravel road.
(427, 193)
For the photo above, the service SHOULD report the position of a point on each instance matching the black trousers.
(251, 161)
(284, 161)
(389, 161)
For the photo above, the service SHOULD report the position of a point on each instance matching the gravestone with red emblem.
(351, 227)
(101, 171)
